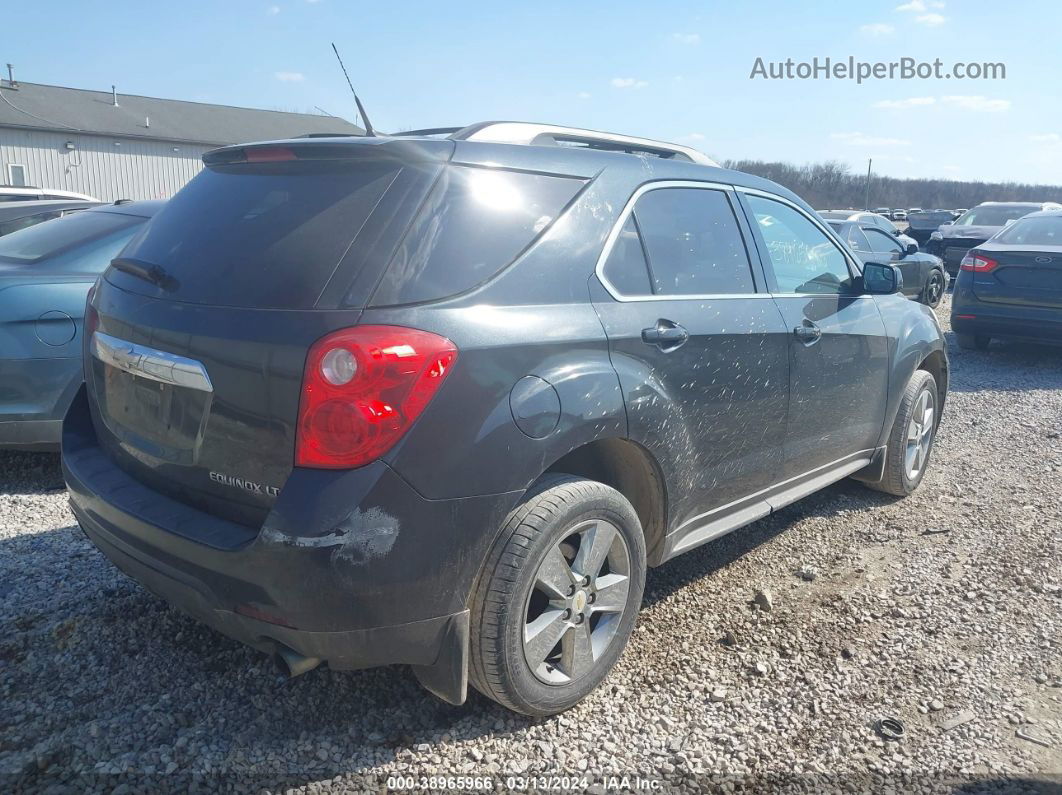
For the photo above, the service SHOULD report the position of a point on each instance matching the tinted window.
(883, 243)
(694, 242)
(626, 269)
(61, 234)
(993, 216)
(264, 235)
(803, 258)
(474, 223)
(27, 221)
(1044, 230)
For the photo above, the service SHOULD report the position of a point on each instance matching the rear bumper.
(34, 396)
(354, 568)
(1038, 324)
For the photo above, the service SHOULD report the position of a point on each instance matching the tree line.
(833, 185)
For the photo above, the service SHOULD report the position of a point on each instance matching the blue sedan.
(45, 274)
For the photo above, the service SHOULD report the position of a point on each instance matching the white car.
(28, 193)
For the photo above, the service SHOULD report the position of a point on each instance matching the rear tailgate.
(1021, 277)
(204, 323)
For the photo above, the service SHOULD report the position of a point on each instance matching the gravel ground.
(943, 610)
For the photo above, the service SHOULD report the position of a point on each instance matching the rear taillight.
(978, 263)
(363, 388)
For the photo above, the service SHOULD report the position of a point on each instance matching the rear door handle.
(666, 335)
(808, 333)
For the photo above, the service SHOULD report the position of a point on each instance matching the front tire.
(558, 597)
(911, 439)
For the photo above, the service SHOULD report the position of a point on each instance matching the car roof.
(1013, 204)
(144, 209)
(1054, 212)
(585, 163)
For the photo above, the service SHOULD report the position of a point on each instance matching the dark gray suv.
(440, 399)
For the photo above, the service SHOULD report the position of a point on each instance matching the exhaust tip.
(290, 663)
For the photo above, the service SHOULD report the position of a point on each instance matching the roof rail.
(533, 134)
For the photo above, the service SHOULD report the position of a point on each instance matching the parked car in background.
(45, 273)
(20, 215)
(899, 215)
(440, 401)
(26, 193)
(883, 211)
(865, 218)
(924, 279)
(1011, 285)
(920, 226)
(951, 242)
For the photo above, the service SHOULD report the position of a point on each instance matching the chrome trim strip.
(614, 234)
(166, 368)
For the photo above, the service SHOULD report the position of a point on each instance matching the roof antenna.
(361, 109)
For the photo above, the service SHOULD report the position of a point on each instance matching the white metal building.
(115, 146)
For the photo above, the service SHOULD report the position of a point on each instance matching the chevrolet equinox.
(440, 398)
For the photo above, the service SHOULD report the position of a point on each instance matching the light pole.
(866, 204)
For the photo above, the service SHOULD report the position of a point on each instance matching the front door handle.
(808, 333)
(666, 335)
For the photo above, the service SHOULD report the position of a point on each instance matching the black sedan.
(924, 279)
(951, 241)
(1011, 286)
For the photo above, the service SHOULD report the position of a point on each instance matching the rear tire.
(911, 438)
(933, 292)
(547, 626)
(973, 342)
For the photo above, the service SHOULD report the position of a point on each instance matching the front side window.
(803, 258)
(882, 243)
(693, 243)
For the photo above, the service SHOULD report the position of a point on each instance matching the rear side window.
(263, 235)
(693, 242)
(626, 269)
(474, 223)
(41, 240)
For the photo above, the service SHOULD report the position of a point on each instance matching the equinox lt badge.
(246, 485)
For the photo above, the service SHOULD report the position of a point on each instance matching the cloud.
(628, 82)
(687, 38)
(931, 20)
(693, 137)
(900, 104)
(977, 103)
(289, 77)
(273, 10)
(920, 6)
(1046, 138)
(877, 29)
(860, 139)
(584, 95)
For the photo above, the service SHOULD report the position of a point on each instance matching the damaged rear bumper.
(354, 568)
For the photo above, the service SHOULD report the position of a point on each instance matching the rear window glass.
(474, 223)
(41, 240)
(1045, 230)
(993, 216)
(258, 236)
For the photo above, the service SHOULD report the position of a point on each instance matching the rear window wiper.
(153, 274)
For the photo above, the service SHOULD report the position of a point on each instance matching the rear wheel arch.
(936, 364)
(631, 470)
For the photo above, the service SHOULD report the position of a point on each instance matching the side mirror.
(912, 248)
(881, 279)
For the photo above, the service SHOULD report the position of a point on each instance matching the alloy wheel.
(920, 431)
(577, 602)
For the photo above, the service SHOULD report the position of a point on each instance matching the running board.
(703, 529)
